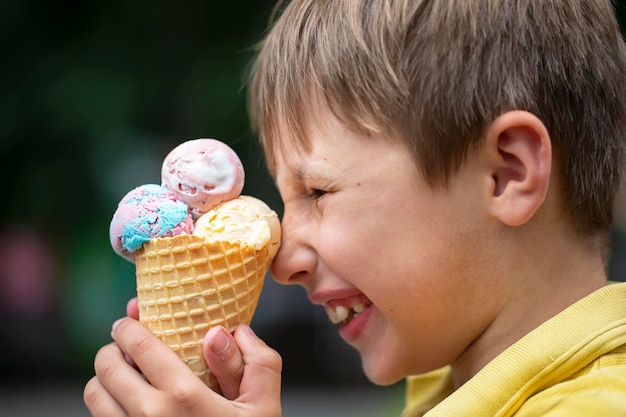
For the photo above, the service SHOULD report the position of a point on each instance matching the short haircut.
(435, 74)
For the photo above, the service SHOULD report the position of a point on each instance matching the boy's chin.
(381, 372)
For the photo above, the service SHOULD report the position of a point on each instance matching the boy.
(448, 171)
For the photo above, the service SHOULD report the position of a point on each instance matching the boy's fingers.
(260, 384)
(171, 388)
(132, 308)
(224, 360)
(120, 383)
(159, 364)
(99, 402)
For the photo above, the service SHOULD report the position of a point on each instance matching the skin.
(329, 253)
(166, 387)
(452, 275)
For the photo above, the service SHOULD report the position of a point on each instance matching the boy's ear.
(520, 155)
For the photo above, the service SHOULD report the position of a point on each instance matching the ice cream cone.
(186, 285)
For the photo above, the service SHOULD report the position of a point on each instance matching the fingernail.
(116, 323)
(249, 332)
(220, 342)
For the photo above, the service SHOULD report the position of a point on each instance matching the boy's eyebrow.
(297, 173)
(312, 173)
(300, 174)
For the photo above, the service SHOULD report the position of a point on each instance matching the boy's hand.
(247, 369)
(221, 353)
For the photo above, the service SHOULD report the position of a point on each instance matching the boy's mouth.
(341, 312)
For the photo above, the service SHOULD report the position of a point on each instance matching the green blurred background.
(93, 94)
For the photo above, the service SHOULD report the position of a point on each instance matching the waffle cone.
(186, 285)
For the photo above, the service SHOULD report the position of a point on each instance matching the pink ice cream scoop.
(203, 173)
(147, 212)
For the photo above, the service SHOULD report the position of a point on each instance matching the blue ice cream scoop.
(147, 212)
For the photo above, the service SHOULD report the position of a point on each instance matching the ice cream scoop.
(147, 212)
(203, 173)
(246, 220)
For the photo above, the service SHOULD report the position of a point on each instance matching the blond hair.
(435, 74)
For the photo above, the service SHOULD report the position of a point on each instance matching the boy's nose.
(296, 259)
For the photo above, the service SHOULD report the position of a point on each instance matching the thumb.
(260, 385)
(224, 359)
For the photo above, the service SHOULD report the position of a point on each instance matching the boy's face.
(363, 231)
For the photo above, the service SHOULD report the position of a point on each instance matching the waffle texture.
(186, 285)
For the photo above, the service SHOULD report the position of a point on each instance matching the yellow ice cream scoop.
(246, 220)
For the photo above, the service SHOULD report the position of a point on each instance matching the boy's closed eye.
(316, 193)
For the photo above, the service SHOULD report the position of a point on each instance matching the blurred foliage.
(93, 94)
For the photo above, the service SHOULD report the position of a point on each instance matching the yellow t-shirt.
(572, 365)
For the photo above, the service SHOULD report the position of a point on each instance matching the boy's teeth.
(340, 313)
(337, 315)
(359, 308)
